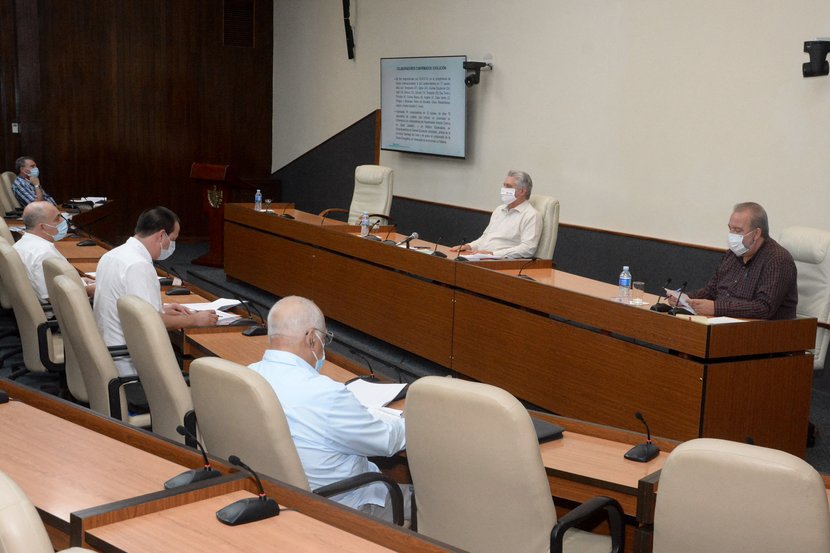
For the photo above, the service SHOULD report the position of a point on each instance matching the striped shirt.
(24, 191)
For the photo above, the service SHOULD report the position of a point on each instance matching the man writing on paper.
(128, 270)
(334, 433)
(756, 279)
(44, 226)
(515, 226)
(26, 186)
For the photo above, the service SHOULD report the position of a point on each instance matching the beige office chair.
(239, 414)
(372, 194)
(8, 197)
(810, 248)
(548, 209)
(502, 501)
(159, 372)
(42, 348)
(52, 268)
(104, 386)
(5, 233)
(717, 495)
(21, 529)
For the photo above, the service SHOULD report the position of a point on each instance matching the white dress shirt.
(334, 433)
(124, 271)
(512, 232)
(33, 251)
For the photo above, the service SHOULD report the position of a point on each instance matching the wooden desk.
(73, 252)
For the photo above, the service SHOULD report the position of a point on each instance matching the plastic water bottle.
(625, 285)
(364, 224)
(258, 200)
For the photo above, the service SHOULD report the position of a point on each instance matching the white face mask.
(736, 244)
(168, 251)
(508, 195)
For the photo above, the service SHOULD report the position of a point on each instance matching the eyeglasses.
(326, 336)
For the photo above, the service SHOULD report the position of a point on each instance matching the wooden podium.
(216, 181)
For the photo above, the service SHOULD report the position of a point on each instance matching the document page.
(682, 300)
(373, 394)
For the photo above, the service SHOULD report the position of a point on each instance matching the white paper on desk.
(220, 304)
(682, 300)
(93, 199)
(374, 394)
(725, 320)
(226, 318)
(477, 256)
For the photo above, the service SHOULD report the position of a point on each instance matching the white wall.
(644, 116)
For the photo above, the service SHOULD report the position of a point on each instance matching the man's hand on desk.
(703, 307)
(175, 309)
(466, 249)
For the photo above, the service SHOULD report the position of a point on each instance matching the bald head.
(37, 213)
(293, 316)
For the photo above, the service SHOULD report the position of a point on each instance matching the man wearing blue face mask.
(334, 433)
(44, 226)
(128, 271)
(757, 276)
(515, 227)
(26, 186)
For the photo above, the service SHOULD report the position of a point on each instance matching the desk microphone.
(643, 453)
(662, 307)
(435, 251)
(195, 475)
(323, 218)
(180, 290)
(371, 236)
(250, 509)
(522, 268)
(408, 239)
(285, 215)
(677, 309)
(367, 377)
(386, 239)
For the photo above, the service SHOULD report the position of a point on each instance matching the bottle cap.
(625, 267)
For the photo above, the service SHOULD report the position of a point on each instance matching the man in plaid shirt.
(26, 186)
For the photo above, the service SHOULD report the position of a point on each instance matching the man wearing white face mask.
(128, 270)
(515, 226)
(334, 433)
(44, 226)
(26, 186)
(757, 276)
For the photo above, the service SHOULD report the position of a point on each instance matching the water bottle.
(625, 285)
(258, 200)
(364, 224)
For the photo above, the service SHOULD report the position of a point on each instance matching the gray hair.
(523, 180)
(20, 163)
(36, 213)
(757, 216)
(293, 316)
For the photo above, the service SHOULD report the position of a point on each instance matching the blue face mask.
(318, 364)
(34, 172)
(63, 228)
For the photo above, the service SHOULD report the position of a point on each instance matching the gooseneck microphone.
(522, 268)
(643, 453)
(194, 475)
(372, 227)
(408, 239)
(662, 307)
(435, 251)
(179, 290)
(368, 377)
(285, 215)
(250, 509)
(677, 309)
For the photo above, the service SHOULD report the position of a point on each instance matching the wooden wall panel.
(134, 91)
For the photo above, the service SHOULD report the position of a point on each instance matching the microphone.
(435, 251)
(195, 475)
(643, 453)
(662, 307)
(371, 236)
(285, 215)
(250, 509)
(520, 275)
(386, 239)
(677, 310)
(408, 239)
(323, 219)
(178, 281)
(367, 377)
(242, 321)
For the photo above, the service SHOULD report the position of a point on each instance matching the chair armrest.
(327, 212)
(585, 511)
(361, 480)
(389, 220)
(114, 394)
(43, 346)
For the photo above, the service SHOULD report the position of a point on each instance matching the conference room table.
(556, 340)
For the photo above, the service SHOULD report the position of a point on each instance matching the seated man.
(128, 270)
(334, 433)
(26, 186)
(44, 226)
(756, 279)
(515, 226)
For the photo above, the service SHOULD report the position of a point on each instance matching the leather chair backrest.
(548, 209)
(53, 267)
(6, 179)
(501, 502)
(80, 330)
(372, 191)
(27, 309)
(151, 351)
(5, 233)
(717, 495)
(238, 413)
(810, 248)
(21, 530)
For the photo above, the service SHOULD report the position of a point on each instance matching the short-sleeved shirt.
(512, 232)
(33, 251)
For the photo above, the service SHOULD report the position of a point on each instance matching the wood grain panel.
(575, 372)
(733, 340)
(765, 399)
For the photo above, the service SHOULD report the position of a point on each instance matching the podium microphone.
(367, 377)
(250, 509)
(435, 251)
(520, 275)
(408, 239)
(643, 453)
(677, 310)
(285, 215)
(371, 236)
(195, 475)
(662, 307)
